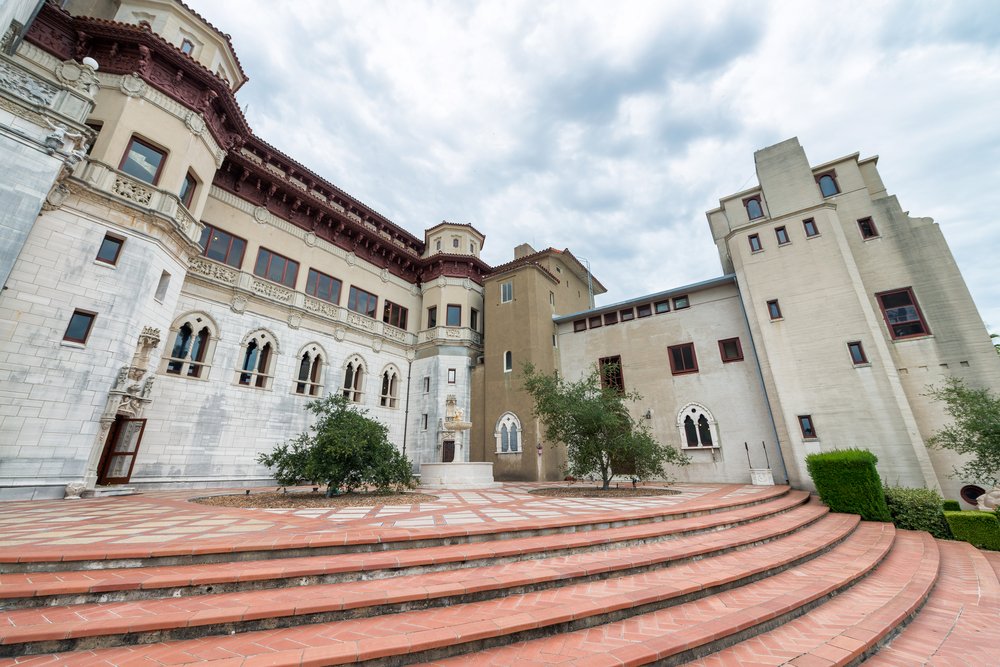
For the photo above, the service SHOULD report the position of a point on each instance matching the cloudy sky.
(611, 127)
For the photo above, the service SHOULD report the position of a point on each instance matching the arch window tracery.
(698, 428)
(189, 352)
(309, 381)
(508, 434)
(389, 397)
(354, 379)
(257, 360)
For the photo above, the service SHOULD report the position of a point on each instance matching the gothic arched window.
(508, 433)
(389, 397)
(189, 353)
(697, 427)
(309, 380)
(257, 360)
(354, 379)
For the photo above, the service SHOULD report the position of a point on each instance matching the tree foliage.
(344, 449)
(975, 430)
(601, 436)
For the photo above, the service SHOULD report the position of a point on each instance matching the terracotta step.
(30, 589)
(853, 624)
(353, 540)
(416, 635)
(960, 623)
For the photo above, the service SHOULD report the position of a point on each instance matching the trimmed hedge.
(847, 481)
(917, 509)
(980, 529)
(951, 506)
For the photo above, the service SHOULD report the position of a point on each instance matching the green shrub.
(847, 481)
(917, 509)
(951, 506)
(980, 529)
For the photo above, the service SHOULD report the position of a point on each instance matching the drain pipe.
(406, 412)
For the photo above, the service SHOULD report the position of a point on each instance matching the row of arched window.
(190, 350)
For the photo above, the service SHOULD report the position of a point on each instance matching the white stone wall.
(424, 445)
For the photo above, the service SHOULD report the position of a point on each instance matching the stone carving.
(376, 345)
(212, 270)
(195, 123)
(351, 259)
(294, 320)
(414, 290)
(239, 304)
(57, 197)
(7, 41)
(361, 322)
(310, 239)
(322, 308)
(271, 291)
(21, 84)
(339, 334)
(393, 332)
(147, 386)
(73, 490)
(132, 191)
(989, 501)
(385, 275)
(453, 333)
(77, 76)
(132, 85)
(261, 215)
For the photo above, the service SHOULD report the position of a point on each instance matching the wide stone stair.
(763, 579)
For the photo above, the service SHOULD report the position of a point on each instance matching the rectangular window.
(222, 246)
(142, 161)
(782, 235)
(867, 228)
(554, 341)
(454, 315)
(595, 321)
(275, 267)
(394, 314)
(362, 302)
(452, 374)
(432, 317)
(809, 225)
(552, 298)
(645, 310)
(731, 350)
(323, 286)
(682, 359)
(681, 302)
(807, 426)
(79, 327)
(610, 318)
(506, 292)
(611, 373)
(187, 46)
(187, 190)
(579, 325)
(161, 287)
(110, 248)
(773, 309)
(423, 422)
(755, 245)
(857, 353)
(427, 384)
(661, 307)
(902, 314)
(626, 315)
(473, 319)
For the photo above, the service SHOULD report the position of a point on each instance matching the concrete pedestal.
(457, 475)
(761, 477)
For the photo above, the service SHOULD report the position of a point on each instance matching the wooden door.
(448, 455)
(120, 451)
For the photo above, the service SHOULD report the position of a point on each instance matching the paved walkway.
(155, 519)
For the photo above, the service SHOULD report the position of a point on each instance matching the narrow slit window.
(857, 353)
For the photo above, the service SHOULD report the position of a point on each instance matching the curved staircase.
(767, 579)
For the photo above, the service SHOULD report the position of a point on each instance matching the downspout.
(406, 412)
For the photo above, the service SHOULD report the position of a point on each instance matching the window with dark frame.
(190, 349)
(827, 183)
(808, 427)
(755, 245)
(645, 310)
(753, 207)
(731, 350)
(782, 235)
(809, 225)
(610, 369)
(310, 365)
(661, 307)
(610, 318)
(626, 315)
(682, 359)
(508, 361)
(323, 286)
(362, 302)
(187, 189)
(111, 248)
(454, 243)
(423, 422)
(681, 302)
(902, 314)
(857, 353)
(276, 268)
(595, 321)
(427, 384)
(453, 316)
(473, 319)
(222, 246)
(867, 228)
(394, 314)
(255, 371)
(452, 375)
(579, 325)
(773, 309)
(143, 161)
(432, 317)
(79, 327)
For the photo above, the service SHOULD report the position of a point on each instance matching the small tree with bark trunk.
(975, 430)
(593, 421)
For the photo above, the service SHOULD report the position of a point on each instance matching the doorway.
(120, 451)
(448, 453)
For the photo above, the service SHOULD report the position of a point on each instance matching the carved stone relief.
(239, 304)
(77, 77)
(310, 239)
(25, 86)
(385, 275)
(339, 334)
(132, 85)
(195, 123)
(271, 291)
(377, 345)
(57, 197)
(261, 215)
(132, 191)
(294, 320)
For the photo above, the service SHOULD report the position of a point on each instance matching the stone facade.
(224, 285)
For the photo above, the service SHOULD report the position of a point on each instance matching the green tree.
(594, 423)
(344, 449)
(996, 337)
(975, 430)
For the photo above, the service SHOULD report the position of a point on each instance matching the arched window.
(508, 434)
(389, 397)
(754, 209)
(828, 185)
(354, 379)
(257, 360)
(508, 361)
(697, 427)
(189, 352)
(309, 381)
